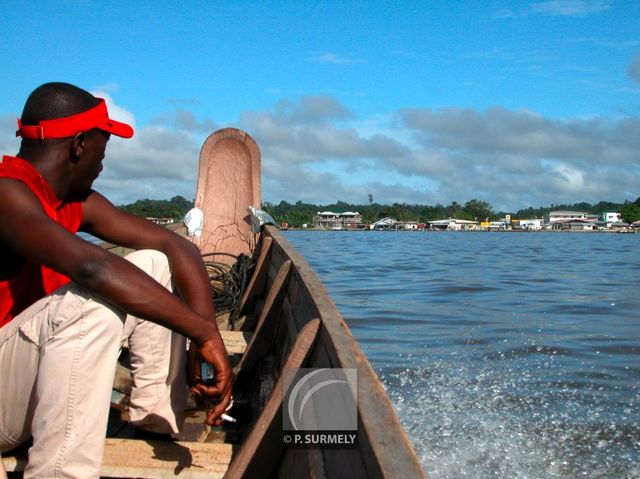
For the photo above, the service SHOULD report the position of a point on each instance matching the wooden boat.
(285, 319)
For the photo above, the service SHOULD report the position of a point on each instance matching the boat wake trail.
(468, 420)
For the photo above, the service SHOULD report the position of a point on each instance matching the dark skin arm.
(31, 233)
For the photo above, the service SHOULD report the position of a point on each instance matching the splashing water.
(475, 420)
(505, 355)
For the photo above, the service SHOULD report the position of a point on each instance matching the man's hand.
(213, 352)
(175, 311)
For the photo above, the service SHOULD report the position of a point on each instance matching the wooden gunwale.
(385, 448)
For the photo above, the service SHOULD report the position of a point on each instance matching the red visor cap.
(96, 117)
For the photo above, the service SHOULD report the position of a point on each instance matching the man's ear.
(77, 146)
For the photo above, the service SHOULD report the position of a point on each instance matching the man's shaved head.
(56, 100)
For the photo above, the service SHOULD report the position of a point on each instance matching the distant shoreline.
(604, 231)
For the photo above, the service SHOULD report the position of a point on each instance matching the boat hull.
(384, 449)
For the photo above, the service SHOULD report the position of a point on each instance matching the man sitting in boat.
(67, 305)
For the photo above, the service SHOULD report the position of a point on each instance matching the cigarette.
(226, 417)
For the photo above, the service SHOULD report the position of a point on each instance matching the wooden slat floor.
(198, 452)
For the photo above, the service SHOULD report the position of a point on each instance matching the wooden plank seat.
(157, 459)
(152, 459)
(236, 341)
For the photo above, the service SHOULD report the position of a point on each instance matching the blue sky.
(515, 103)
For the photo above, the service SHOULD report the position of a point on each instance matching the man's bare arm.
(31, 233)
(104, 220)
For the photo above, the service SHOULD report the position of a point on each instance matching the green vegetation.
(174, 208)
(300, 213)
(630, 212)
(596, 209)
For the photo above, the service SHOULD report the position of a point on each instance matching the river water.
(513, 355)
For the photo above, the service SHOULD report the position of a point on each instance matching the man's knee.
(154, 263)
(148, 259)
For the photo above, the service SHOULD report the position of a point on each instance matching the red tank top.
(34, 281)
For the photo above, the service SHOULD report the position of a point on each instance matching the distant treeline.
(174, 208)
(300, 213)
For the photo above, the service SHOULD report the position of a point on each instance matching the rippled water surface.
(505, 354)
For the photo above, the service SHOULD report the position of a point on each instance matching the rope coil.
(228, 282)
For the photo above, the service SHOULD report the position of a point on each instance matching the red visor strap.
(66, 126)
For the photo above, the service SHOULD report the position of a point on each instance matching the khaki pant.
(58, 360)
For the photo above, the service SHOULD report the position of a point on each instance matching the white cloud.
(156, 163)
(311, 110)
(116, 112)
(569, 177)
(504, 156)
(570, 8)
(9, 144)
(316, 150)
(499, 131)
(184, 120)
(557, 8)
(512, 159)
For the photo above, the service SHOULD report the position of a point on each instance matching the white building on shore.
(386, 223)
(328, 220)
(453, 224)
(533, 224)
(610, 218)
(554, 216)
